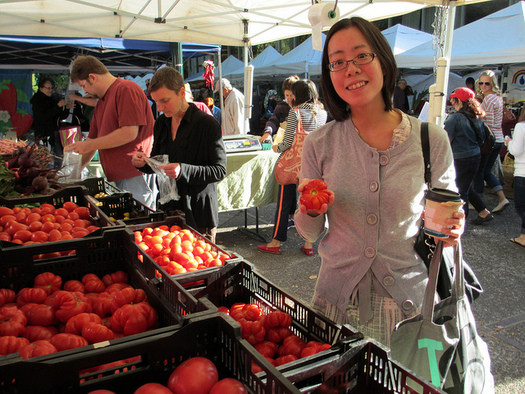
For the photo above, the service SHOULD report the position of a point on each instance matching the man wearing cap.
(233, 119)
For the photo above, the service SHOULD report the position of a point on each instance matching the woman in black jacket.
(197, 157)
(46, 114)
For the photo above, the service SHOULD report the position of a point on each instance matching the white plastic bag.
(167, 186)
(71, 170)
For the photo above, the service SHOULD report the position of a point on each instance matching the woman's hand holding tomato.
(315, 197)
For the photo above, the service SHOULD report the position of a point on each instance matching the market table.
(249, 183)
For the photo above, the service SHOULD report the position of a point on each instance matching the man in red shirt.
(122, 124)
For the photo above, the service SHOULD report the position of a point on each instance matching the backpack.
(486, 143)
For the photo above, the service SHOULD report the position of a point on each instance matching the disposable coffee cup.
(440, 205)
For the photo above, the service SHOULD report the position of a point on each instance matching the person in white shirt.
(233, 119)
(516, 147)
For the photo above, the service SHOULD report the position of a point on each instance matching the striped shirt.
(493, 106)
(312, 117)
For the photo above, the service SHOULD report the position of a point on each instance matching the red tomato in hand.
(194, 376)
(228, 386)
(314, 194)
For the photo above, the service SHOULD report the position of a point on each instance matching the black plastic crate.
(179, 221)
(363, 367)
(98, 185)
(117, 205)
(238, 282)
(73, 194)
(110, 252)
(155, 357)
(118, 202)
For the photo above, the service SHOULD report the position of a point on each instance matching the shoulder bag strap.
(299, 128)
(425, 145)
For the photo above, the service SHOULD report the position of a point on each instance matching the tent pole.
(221, 97)
(442, 88)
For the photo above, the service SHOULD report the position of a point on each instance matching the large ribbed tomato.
(315, 194)
(196, 375)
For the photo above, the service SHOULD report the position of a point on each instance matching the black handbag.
(425, 245)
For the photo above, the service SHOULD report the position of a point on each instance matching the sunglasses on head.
(484, 83)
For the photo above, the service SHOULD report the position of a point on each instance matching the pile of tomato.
(197, 375)
(51, 317)
(178, 250)
(45, 223)
(271, 335)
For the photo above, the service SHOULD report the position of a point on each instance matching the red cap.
(463, 94)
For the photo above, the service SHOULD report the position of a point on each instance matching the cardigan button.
(374, 186)
(388, 281)
(407, 305)
(371, 219)
(383, 160)
(370, 252)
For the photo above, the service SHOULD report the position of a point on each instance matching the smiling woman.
(371, 158)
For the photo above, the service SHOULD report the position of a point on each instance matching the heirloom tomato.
(11, 344)
(196, 375)
(253, 331)
(36, 333)
(228, 386)
(153, 388)
(65, 341)
(96, 332)
(292, 345)
(315, 194)
(277, 319)
(133, 318)
(285, 359)
(12, 321)
(37, 348)
(76, 323)
(31, 294)
(49, 282)
(6, 296)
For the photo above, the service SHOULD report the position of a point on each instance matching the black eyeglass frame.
(347, 62)
(484, 83)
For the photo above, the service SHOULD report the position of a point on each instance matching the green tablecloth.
(250, 181)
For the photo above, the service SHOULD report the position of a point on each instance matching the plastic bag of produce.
(167, 186)
(71, 170)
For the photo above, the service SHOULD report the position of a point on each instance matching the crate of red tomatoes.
(280, 327)
(178, 248)
(66, 215)
(206, 356)
(105, 289)
(361, 367)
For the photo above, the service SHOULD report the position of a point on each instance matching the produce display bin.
(238, 282)
(98, 185)
(151, 359)
(112, 251)
(118, 202)
(117, 205)
(179, 221)
(363, 367)
(73, 194)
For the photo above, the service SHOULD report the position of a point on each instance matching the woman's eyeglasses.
(359, 60)
(484, 83)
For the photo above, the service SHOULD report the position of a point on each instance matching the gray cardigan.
(376, 213)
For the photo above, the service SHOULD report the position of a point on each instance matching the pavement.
(498, 263)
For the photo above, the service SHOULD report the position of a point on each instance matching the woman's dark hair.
(471, 107)
(304, 91)
(337, 107)
(167, 77)
(42, 82)
(288, 82)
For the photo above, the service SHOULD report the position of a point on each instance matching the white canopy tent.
(402, 38)
(266, 57)
(496, 39)
(226, 22)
